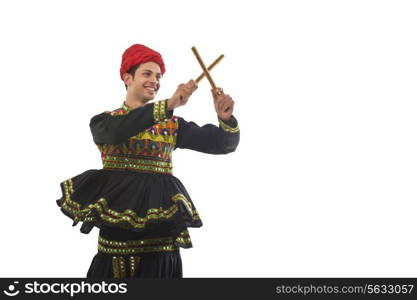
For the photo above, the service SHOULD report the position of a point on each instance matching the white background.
(323, 182)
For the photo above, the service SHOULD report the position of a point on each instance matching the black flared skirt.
(143, 203)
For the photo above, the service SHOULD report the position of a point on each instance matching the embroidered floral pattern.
(149, 150)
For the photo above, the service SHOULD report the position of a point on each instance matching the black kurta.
(142, 210)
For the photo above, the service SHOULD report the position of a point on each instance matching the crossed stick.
(206, 70)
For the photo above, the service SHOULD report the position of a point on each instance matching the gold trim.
(156, 112)
(117, 267)
(134, 243)
(184, 238)
(187, 203)
(136, 168)
(122, 267)
(135, 246)
(129, 160)
(159, 110)
(133, 263)
(228, 128)
(162, 110)
(147, 165)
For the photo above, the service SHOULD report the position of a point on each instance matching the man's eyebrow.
(152, 72)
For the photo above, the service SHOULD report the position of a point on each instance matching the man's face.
(145, 85)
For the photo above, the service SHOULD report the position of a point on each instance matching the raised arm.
(208, 138)
(109, 129)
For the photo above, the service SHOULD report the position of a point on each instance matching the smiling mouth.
(150, 89)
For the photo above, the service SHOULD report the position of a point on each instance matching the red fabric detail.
(139, 54)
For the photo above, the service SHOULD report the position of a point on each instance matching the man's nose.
(153, 79)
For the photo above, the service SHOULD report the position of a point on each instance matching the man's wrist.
(229, 125)
(224, 120)
(169, 105)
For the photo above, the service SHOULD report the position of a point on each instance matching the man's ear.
(127, 78)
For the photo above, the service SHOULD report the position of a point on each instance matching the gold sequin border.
(159, 110)
(133, 264)
(115, 162)
(187, 203)
(136, 246)
(150, 169)
(228, 128)
(184, 238)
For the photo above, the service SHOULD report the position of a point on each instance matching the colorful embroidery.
(149, 150)
(125, 107)
(228, 128)
(117, 112)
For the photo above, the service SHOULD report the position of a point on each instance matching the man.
(142, 210)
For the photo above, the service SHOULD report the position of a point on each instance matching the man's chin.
(150, 98)
(147, 99)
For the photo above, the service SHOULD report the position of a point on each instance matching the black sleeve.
(115, 129)
(208, 138)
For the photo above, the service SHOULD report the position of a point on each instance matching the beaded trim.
(112, 216)
(159, 113)
(184, 239)
(146, 165)
(136, 246)
(187, 203)
(119, 268)
(133, 264)
(228, 128)
(73, 207)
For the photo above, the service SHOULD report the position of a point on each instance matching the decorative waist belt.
(132, 164)
(136, 246)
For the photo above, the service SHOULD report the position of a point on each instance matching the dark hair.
(132, 71)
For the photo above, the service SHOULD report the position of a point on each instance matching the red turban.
(139, 54)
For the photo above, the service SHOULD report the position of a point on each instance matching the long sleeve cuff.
(229, 125)
(160, 111)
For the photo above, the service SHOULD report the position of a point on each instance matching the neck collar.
(125, 107)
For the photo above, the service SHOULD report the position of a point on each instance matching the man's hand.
(223, 104)
(182, 94)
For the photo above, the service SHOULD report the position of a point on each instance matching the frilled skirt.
(143, 203)
(124, 254)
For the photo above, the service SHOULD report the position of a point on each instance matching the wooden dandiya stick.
(206, 72)
(199, 78)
